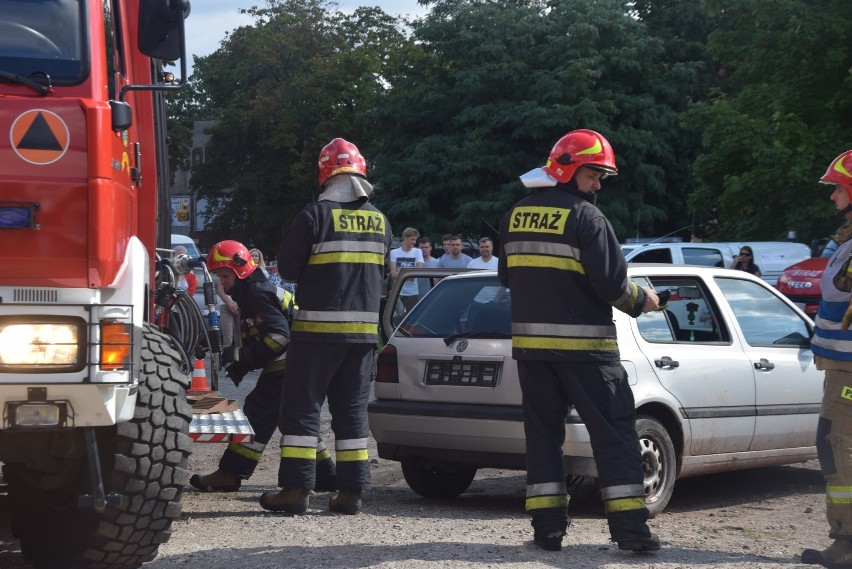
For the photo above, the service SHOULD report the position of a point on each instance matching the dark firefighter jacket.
(336, 253)
(564, 266)
(264, 327)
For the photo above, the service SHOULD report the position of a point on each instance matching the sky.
(210, 19)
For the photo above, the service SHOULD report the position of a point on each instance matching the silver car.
(723, 379)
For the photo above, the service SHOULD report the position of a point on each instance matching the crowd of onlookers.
(415, 252)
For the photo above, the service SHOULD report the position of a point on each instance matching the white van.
(186, 241)
(771, 256)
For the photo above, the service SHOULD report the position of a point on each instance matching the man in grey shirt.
(454, 258)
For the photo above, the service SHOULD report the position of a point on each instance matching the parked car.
(186, 241)
(771, 256)
(723, 379)
(801, 282)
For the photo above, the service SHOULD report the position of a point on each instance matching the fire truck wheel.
(144, 461)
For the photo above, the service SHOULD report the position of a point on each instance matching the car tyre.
(659, 463)
(431, 480)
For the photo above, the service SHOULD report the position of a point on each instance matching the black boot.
(549, 541)
(641, 545)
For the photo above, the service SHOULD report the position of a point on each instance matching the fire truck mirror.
(122, 115)
(160, 22)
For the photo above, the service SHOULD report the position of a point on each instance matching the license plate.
(478, 374)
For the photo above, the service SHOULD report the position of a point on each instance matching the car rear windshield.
(460, 306)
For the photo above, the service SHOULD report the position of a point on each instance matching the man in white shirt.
(486, 259)
(405, 257)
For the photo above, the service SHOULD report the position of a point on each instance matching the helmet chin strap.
(842, 212)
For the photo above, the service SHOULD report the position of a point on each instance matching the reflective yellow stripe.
(276, 365)
(539, 343)
(326, 258)
(624, 505)
(345, 245)
(246, 452)
(351, 455)
(323, 455)
(541, 261)
(631, 298)
(273, 344)
(299, 452)
(540, 502)
(336, 327)
(838, 494)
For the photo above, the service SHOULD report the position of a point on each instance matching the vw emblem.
(461, 346)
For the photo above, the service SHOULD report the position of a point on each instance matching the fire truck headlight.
(40, 346)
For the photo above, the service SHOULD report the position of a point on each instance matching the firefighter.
(566, 271)
(265, 332)
(336, 251)
(832, 353)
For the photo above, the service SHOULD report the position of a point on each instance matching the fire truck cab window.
(43, 37)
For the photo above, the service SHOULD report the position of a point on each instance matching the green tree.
(498, 82)
(782, 111)
(280, 90)
(183, 108)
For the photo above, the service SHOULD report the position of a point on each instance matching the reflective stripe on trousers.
(342, 372)
(604, 401)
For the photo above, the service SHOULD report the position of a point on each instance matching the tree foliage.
(498, 83)
(722, 113)
(782, 111)
(280, 90)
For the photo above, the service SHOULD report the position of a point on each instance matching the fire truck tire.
(143, 460)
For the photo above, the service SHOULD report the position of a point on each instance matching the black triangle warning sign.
(40, 136)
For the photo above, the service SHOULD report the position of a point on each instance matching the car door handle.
(764, 364)
(666, 361)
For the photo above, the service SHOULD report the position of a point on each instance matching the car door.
(697, 359)
(776, 339)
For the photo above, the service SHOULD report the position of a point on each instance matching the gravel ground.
(760, 518)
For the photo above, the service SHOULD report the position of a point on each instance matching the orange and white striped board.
(221, 438)
(229, 427)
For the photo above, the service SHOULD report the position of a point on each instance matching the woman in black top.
(745, 261)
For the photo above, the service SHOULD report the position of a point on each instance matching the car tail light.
(386, 367)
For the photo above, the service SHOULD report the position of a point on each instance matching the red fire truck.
(95, 344)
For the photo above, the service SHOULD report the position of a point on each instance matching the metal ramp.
(228, 427)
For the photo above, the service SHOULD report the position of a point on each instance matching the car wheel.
(658, 463)
(434, 481)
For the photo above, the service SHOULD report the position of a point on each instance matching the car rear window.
(458, 306)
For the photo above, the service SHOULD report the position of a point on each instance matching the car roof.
(632, 268)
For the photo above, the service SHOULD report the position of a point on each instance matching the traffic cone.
(199, 379)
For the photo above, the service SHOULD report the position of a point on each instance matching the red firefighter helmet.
(340, 157)
(840, 172)
(231, 255)
(581, 147)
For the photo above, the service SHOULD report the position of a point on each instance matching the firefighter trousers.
(342, 372)
(834, 447)
(602, 397)
(261, 407)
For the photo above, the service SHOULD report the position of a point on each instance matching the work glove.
(230, 355)
(236, 371)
